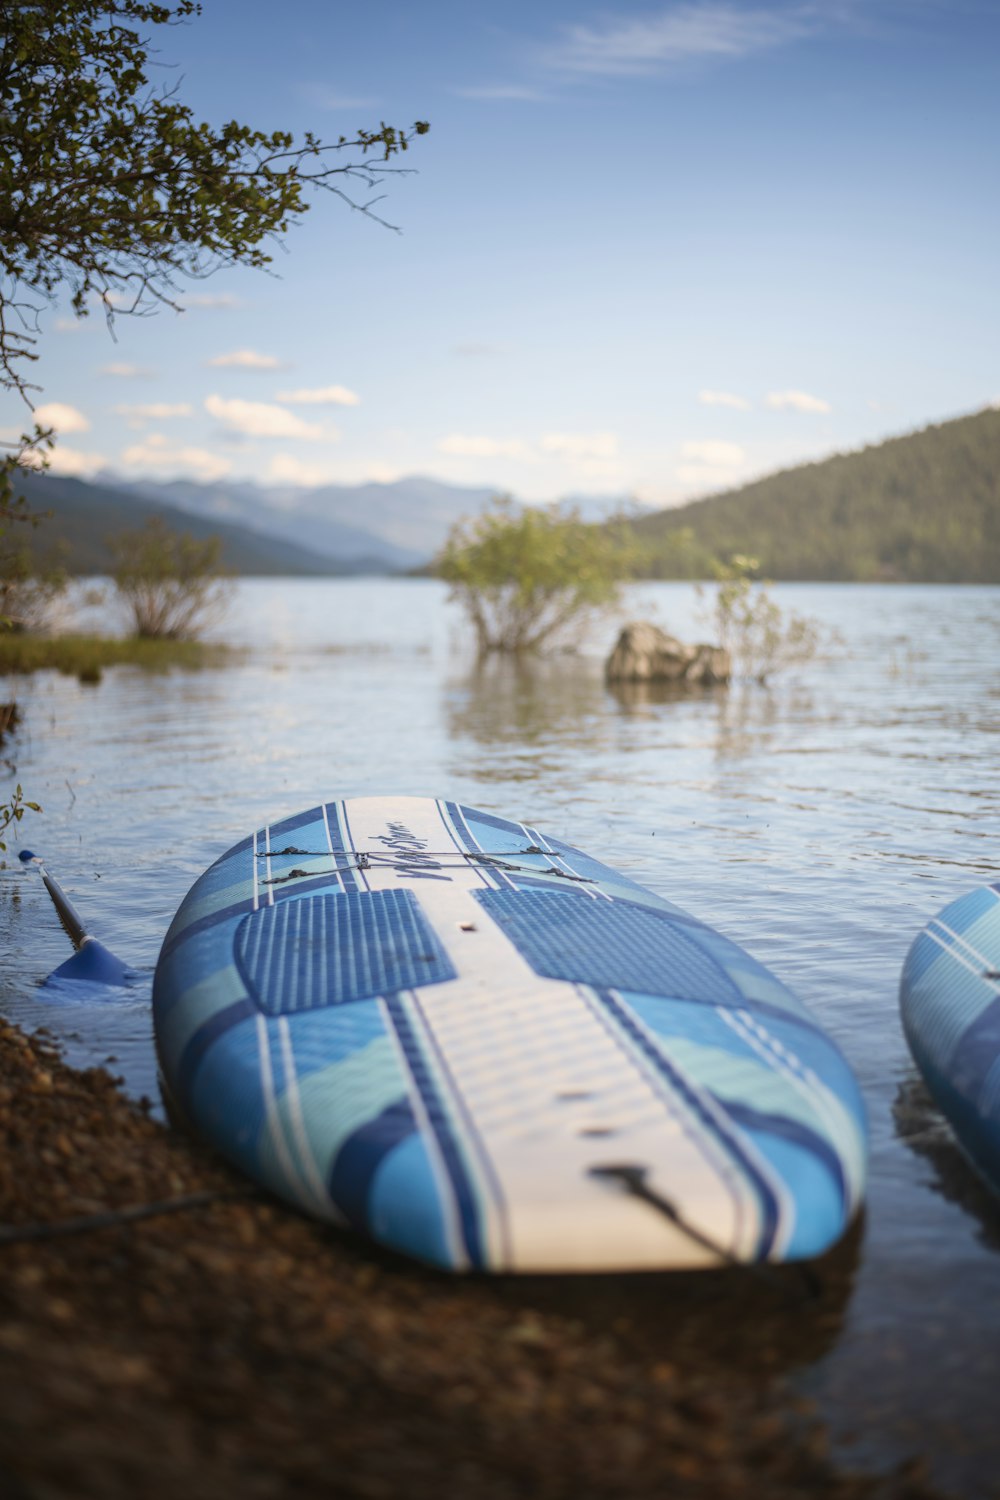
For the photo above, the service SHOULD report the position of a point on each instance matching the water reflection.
(637, 697)
(511, 699)
(534, 702)
(922, 1127)
(764, 1320)
(747, 721)
(744, 717)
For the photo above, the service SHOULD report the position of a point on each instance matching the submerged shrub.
(29, 593)
(527, 576)
(170, 582)
(761, 638)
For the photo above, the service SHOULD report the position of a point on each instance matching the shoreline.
(232, 1347)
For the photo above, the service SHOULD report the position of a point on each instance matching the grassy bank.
(234, 1348)
(87, 656)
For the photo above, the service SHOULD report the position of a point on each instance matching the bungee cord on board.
(445, 860)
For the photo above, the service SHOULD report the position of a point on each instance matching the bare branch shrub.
(170, 583)
(761, 638)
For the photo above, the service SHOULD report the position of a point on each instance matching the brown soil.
(235, 1349)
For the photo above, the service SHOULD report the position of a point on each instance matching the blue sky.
(650, 249)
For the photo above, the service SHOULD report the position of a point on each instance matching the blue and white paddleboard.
(492, 1052)
(950, 1003)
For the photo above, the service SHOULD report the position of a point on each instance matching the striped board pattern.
(950, 1004)
(492, 1052)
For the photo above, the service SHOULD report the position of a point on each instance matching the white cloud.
(720, 455)
(69, 325)
(258, 419)
(704, 476)
(566, 458)
(327, 98)
(581, 445)
(464, 446)
(212, 299)
(72, 462)
(479, 351)
(63, 418)
(327, 395)
(155, 452)
(245, 359)
(724, 398)
(593, 454)
(124, 371)
(154, 411)
(285, 468)
(796, 401)
(517, 92)
(710, 464)
(115, 298)
(648, 43)
(291, 470)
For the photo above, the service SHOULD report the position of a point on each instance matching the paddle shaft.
(68, 914)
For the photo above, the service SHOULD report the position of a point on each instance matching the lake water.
(819, 823)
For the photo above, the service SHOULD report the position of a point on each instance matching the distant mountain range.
(391, 527)
(83, 516)
(328, 530)
(924, 507)
(919, 508)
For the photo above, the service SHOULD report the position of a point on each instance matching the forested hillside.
(921, 508)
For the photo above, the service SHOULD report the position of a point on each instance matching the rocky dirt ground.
(234, 1349)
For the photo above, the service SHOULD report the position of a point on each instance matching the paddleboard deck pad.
(950, 1004)
(493, 1052)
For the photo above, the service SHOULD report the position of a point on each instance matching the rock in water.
(645, 653)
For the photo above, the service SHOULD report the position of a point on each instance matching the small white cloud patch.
(581, 444)
(797, 401)
(479, 351)
(724, 398)
(586, 453)
(62, 417)
(719, 455)
(155, 411)
(155, 452)
(710, 463)
(259, 419)
(212, 299)
(502, 92)
(649, 42)
(325, 97)
(245, 359)
(465, 446)
(123, 371)
(326, 395)
(72, 462)
(286, 468)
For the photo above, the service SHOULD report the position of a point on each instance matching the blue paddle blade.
(93, 964)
